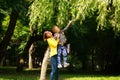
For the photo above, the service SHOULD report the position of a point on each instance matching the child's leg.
(64, 53)
(59, 56)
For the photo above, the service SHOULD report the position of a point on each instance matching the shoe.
(66, 65)
(59, 66)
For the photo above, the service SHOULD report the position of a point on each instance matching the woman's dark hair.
(44, 36)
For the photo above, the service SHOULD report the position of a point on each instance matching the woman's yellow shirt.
(53, 46)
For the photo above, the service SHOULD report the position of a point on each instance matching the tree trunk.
(3, 45)
(44, 65)
(31, 51)
(26, 49)
(30, 65)
(31, 40)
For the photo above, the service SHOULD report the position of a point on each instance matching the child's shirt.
(62, 37)
(53, 46)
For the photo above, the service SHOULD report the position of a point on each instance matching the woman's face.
(49, 34)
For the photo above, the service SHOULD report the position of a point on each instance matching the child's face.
(56, 29)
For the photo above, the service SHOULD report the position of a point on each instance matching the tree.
(31, 51)
(9, 33)
(13, 19)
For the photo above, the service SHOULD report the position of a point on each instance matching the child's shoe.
(59, 66)
(66, 65)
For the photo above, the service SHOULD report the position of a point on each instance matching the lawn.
(10, 74)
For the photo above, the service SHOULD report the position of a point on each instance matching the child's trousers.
(62, 52)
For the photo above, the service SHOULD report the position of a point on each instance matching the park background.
(94, 36)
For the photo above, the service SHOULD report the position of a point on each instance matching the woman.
(53, 53)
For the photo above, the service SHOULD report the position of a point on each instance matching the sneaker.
(59, 66)
(66, 65)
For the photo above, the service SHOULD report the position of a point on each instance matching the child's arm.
(67, 25)
(56, 36)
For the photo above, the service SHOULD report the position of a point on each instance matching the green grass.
(11, 74)
(79, 77)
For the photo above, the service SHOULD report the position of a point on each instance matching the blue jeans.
(54, 71)
(62, 51)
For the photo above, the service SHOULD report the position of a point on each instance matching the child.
(53, 53)
(61, 47)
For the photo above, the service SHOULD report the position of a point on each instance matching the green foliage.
(63, 12)
(21, 31)
(20, 35)
(116, 19)
(16, 5)
(3, 27)
(5, 22)
(44, 14)
(81, 8)
(42, 11)
(102, 11)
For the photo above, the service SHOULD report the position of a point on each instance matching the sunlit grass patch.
(34, 74)
(92, 78)
(72, 76)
